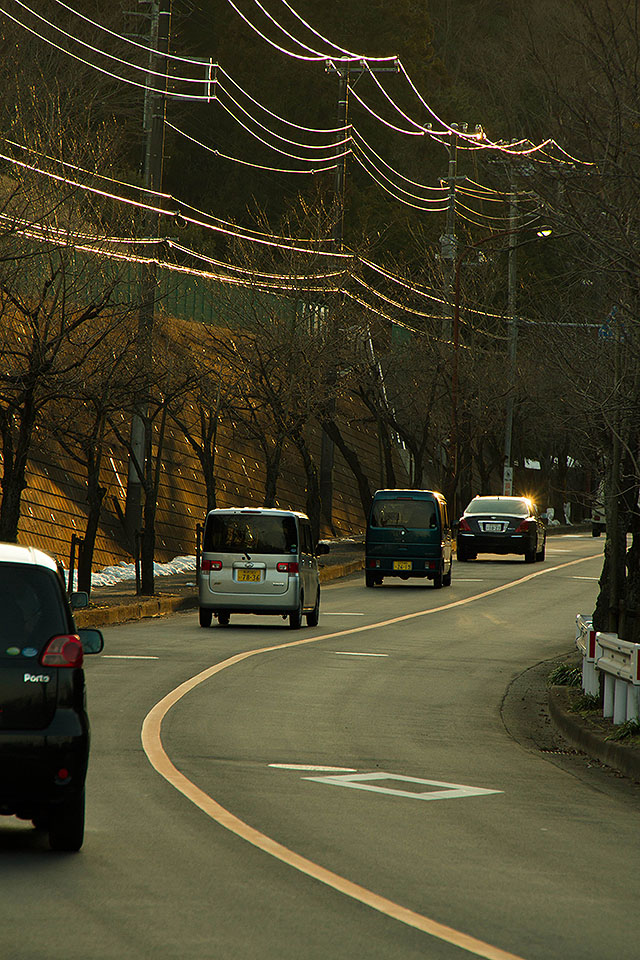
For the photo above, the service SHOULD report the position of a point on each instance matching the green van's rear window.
(417, 514)
(235, 533)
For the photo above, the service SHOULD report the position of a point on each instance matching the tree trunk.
(352, 460)
(313, 485)
(272, 458)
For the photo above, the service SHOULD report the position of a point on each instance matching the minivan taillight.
(63, 651)
(211, 565)
(287, 568)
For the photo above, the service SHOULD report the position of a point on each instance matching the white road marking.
(445, 791)
(312, 767)
(126, 656)
(469, 579)
(357, 653)
(342, 614)
(584, 578)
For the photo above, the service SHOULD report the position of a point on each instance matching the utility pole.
(153, 125)
(448, 240)
(507, 474)
(345, 73)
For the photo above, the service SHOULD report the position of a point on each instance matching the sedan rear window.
(31, 609)
(234, 533)
(416, 514)
(514, 507)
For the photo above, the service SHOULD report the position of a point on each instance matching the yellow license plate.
(402, 564)
(252, 576)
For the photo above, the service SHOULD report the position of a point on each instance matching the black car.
(44, 728)
(501, 525)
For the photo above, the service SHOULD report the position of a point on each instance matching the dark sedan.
(501, 525)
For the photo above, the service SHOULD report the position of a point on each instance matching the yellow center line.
(154, 749)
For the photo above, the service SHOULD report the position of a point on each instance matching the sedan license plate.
(493, 528)
(252, 576)
(402, 564)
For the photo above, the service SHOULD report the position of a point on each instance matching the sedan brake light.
(63, 651)
(464, 525)
(525, 526)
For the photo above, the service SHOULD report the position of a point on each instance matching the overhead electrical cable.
(284, 153)
(276, 116)
(362, 142)
(146, 69)
(114, 76)
(296, 143)
(308, 171)
(238, 233)
(361, 160)
(347, 56)
(386, 123)
(426, 200)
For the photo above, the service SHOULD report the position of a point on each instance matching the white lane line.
(312, 767)
(357, 653)
(126, 656)
(584, 578)
(161, 762)
(324, 614)
(469, 580)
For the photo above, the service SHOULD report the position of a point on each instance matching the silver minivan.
(259, 560)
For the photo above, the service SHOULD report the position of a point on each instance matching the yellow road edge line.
(158, 758)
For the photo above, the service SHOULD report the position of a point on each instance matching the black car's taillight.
(64, 650)
(525, 526)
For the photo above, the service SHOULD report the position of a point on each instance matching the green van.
(408, 535)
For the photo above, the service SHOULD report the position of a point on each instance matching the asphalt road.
(339, 792)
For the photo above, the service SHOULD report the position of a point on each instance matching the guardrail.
(619, 661)
(586, 644)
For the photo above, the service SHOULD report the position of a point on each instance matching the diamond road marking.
(444, 791)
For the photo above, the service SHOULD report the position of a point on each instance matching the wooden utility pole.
(153, 125)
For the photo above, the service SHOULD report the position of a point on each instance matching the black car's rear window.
(513, 507)
(417, 514)
(234, 533)
(31, 609)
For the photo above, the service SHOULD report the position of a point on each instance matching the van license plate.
(402, 565)
(249, 575)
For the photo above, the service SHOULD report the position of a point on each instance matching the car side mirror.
(91, 639)
(322, 548)
(79, 600)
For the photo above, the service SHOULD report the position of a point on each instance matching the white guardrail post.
(619, 661)
(586, 644)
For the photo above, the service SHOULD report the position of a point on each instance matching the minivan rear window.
(417, 514)
(233, 533)
(31, 609)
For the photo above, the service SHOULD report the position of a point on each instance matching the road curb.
(341, 570)
(136, 610)
(590, 740)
